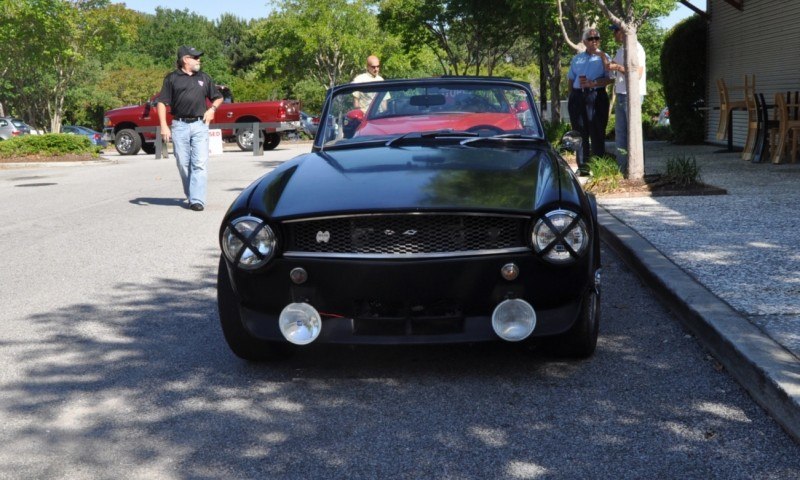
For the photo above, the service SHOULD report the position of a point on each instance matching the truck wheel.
(244, 138)
(128, 142)
(272, 141)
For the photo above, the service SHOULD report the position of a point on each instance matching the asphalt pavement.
(727, 265)
(112, 364)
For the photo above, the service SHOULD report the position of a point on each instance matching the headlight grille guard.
(560, 235)
(248, 240)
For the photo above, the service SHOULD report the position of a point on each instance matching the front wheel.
(581, 340)
(128, 142)
(240, 341)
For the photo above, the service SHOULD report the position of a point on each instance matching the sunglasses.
(374, 66)
(593, 39)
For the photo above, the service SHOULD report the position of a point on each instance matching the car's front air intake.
(405, 235)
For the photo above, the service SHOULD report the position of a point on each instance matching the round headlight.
(560, 236)
(248, 242)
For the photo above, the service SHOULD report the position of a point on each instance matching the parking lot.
(112, 364)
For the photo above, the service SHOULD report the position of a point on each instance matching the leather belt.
(188, 119)
(588, 90)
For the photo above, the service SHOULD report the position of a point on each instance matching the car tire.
(240, 341)
(271, 141)
(244, 138)
(128, 142)
(581, 340)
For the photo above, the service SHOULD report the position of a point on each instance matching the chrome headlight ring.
(248, 242)
(560, 236)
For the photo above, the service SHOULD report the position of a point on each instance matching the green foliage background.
(683, 63)
(72, 60)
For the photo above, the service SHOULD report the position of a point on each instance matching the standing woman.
(588, 99)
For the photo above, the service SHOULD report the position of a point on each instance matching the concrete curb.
(99, 161)
(770, 373)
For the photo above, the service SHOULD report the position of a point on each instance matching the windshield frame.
(326, 127)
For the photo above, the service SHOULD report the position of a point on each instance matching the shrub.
(554, 131)
(604, 174)
(683, 70)
(682, 170)
(51, 144)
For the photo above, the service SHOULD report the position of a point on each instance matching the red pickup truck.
(119, 125)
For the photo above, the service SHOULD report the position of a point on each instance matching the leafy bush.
(554, 131)
(656, 132)
(51, 144)
(682, 170)
(683, 70)
(604, 174)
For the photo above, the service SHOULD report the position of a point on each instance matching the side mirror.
(571, 141)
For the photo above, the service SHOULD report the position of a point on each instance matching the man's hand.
(208, 117)
(166, 134)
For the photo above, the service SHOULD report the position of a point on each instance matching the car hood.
(413, 179)
(122, 110)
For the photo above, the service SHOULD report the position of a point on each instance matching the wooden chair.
(788, 130)
(726, 105)
(752, 119)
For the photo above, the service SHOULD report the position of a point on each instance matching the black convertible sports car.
(437, 212)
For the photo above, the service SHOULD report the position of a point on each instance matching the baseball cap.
(191, 51)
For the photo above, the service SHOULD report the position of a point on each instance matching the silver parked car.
(12, 127)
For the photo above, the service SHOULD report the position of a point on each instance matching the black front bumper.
(411, 301)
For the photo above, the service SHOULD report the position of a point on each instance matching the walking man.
(186, 90)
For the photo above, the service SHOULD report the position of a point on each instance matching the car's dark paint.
(454, 294)
(515, 180)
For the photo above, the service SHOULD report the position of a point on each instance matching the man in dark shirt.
(186, 90)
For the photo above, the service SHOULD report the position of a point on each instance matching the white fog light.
(513, 320)
(300, 323)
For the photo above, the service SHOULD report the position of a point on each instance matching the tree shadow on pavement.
(140, 383)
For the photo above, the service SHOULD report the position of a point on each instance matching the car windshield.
(387, 111)
(18, 123)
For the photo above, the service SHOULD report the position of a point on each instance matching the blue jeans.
(190, 145)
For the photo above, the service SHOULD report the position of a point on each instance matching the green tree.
(323, 41)
(467, 36)
(53, 42)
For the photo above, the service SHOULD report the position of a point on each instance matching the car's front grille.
(393, 235)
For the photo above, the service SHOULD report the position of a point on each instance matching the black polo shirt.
(187, 94)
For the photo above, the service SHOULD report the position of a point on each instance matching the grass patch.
(604, 175)
(51, 144)
(682, 170)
